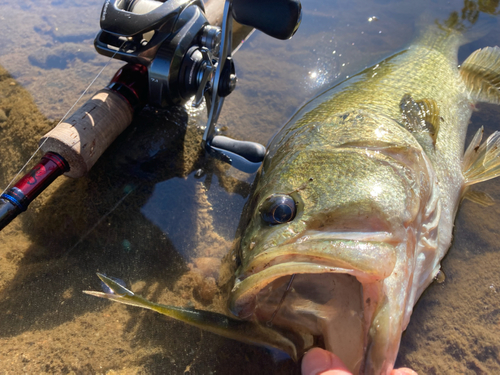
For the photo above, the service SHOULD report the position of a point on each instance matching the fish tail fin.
(481, 74)
(482, 161)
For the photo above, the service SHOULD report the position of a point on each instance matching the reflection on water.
(159, 215)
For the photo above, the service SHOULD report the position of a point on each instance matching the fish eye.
(278, 209)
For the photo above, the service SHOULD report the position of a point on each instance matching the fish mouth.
(321, 286)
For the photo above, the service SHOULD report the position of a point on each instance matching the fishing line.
(243, 41)
(269, 323)
(64, 117)
(99, 221)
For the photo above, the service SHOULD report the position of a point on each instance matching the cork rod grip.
(84, 137)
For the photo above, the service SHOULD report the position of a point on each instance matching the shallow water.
(155, 213)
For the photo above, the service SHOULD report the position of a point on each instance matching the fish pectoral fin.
(482, 161)
(220, 324)
(421, 116)
(481, 74)
(479, 197)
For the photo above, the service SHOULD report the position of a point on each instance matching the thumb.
(321, 362)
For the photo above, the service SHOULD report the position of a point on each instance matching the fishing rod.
(174, 50)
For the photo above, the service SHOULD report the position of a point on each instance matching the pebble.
(3, 116)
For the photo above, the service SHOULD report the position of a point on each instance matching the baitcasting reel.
(186, 56)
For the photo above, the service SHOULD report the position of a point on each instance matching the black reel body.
(186, 56)
(159, 39)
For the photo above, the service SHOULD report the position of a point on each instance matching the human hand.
(321, 362)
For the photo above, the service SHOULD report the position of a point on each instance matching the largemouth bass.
(354, 205)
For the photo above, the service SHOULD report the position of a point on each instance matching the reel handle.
(251, 151)
(277, 18)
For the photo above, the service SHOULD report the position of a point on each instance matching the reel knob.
(277, 18)
(228, 78)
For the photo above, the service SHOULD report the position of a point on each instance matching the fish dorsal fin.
(481, 74)
(420, 116)
(482, 161)
(479, 197)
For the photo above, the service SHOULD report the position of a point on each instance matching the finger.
(321, 362)
(403, 371)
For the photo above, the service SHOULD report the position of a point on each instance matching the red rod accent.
(16, 199)
(133, 77)
(35, 181)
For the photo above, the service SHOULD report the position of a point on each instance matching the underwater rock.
(59, 57)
